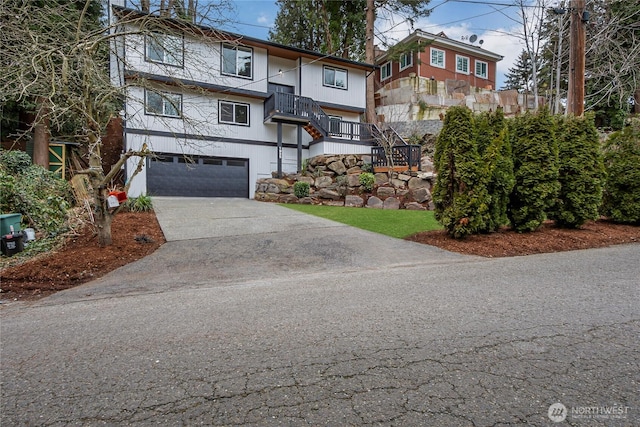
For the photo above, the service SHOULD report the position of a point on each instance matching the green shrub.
(460, 195)
(301, 189)
(367, 180)
(15, 161)
(41, 197)
(367, 167)
(581, 171)
(621, 200)
(494, 147)
(535, 163)
(139, 204)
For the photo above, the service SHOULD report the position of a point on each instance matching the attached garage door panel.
(173, 175)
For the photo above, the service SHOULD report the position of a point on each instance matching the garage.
(197, 176)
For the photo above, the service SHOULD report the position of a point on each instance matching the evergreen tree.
(519, 76)
(535, 162)
(494, 147)
(622, 163)
(581, 171)
(460, 194)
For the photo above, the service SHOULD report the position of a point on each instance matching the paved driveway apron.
(254, 314)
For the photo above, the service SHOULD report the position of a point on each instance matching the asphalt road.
(253, 314)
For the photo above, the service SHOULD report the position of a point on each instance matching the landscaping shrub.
(460, 195)
(622, 164)
(494, 147)
(301, 189)
(367, 180)
(139, 204)
(14, 161)
(581, 171)
(535, 162)
(39, 195)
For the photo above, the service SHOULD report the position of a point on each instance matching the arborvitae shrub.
(581, 171)
(459, 194)
(535, 162)
(494, 147)
(622, 163)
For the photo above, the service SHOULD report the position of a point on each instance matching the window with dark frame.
(163, 104)
(165, 49)
(335, 77)
(237, 61)
(233, 113)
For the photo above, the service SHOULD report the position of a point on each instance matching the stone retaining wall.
(334, 180)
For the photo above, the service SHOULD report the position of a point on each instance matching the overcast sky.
(496, 24)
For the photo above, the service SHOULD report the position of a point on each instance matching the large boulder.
(384, 192)
(325, 193)
(353, 180)
(391, 203)
(338, 167)
(323, 181)
(421, 195)
(375, 203)
(353, 201)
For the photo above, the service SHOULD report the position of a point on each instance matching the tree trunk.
(41, 135)
(370, 58)
(103, 218)
(636, 97)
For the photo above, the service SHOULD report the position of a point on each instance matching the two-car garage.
(197, 176)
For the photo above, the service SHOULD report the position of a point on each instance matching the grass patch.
(395, 223)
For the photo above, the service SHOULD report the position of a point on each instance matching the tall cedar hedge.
(581, 171)
(494, 147)
(460, 195)
(535, 161)
(622, 163)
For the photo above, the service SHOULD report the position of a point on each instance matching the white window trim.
(458, 70)
(444, 58)
(409, 62)
(324, 82)
(382, 77)
(234, 104)
(486, 66)
(166, 100)
(236, 48)
(162, 41)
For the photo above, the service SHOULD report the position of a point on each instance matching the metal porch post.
(279, 150)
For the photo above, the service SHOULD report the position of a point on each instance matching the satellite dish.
(473, 38)
(481, 41)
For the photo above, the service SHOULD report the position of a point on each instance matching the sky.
(492, 21)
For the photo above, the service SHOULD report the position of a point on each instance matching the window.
(163, 104)
(164, 49)
(335, 77)
(406, 60)
(462, 64)
(437, 57)
(233, 113)
(385, 71)
(481, 69)
(236, 61)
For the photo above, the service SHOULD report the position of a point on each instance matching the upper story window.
(236, 61)
(437, 57)
(164, 49)
(482, 69)
(462, 64)
(163, 104)
(385, 71)
(233, 113)
(406, 60)
(335, 77)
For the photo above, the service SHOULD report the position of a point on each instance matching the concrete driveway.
(268, 317)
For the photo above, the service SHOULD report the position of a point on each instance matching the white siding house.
(239, 108)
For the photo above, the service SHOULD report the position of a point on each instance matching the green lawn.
(394, 223)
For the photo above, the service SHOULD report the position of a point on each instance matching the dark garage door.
(174, 175)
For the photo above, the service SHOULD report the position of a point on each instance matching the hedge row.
(493, 172)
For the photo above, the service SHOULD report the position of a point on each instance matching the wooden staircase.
(313, 131)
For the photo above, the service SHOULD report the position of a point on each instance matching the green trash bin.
(10, 222)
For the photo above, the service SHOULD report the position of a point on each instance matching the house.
(221, 110)
(439, 72)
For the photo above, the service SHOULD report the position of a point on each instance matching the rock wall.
(335, 181)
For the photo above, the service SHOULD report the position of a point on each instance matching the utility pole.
(370, 58)
(575, 97)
